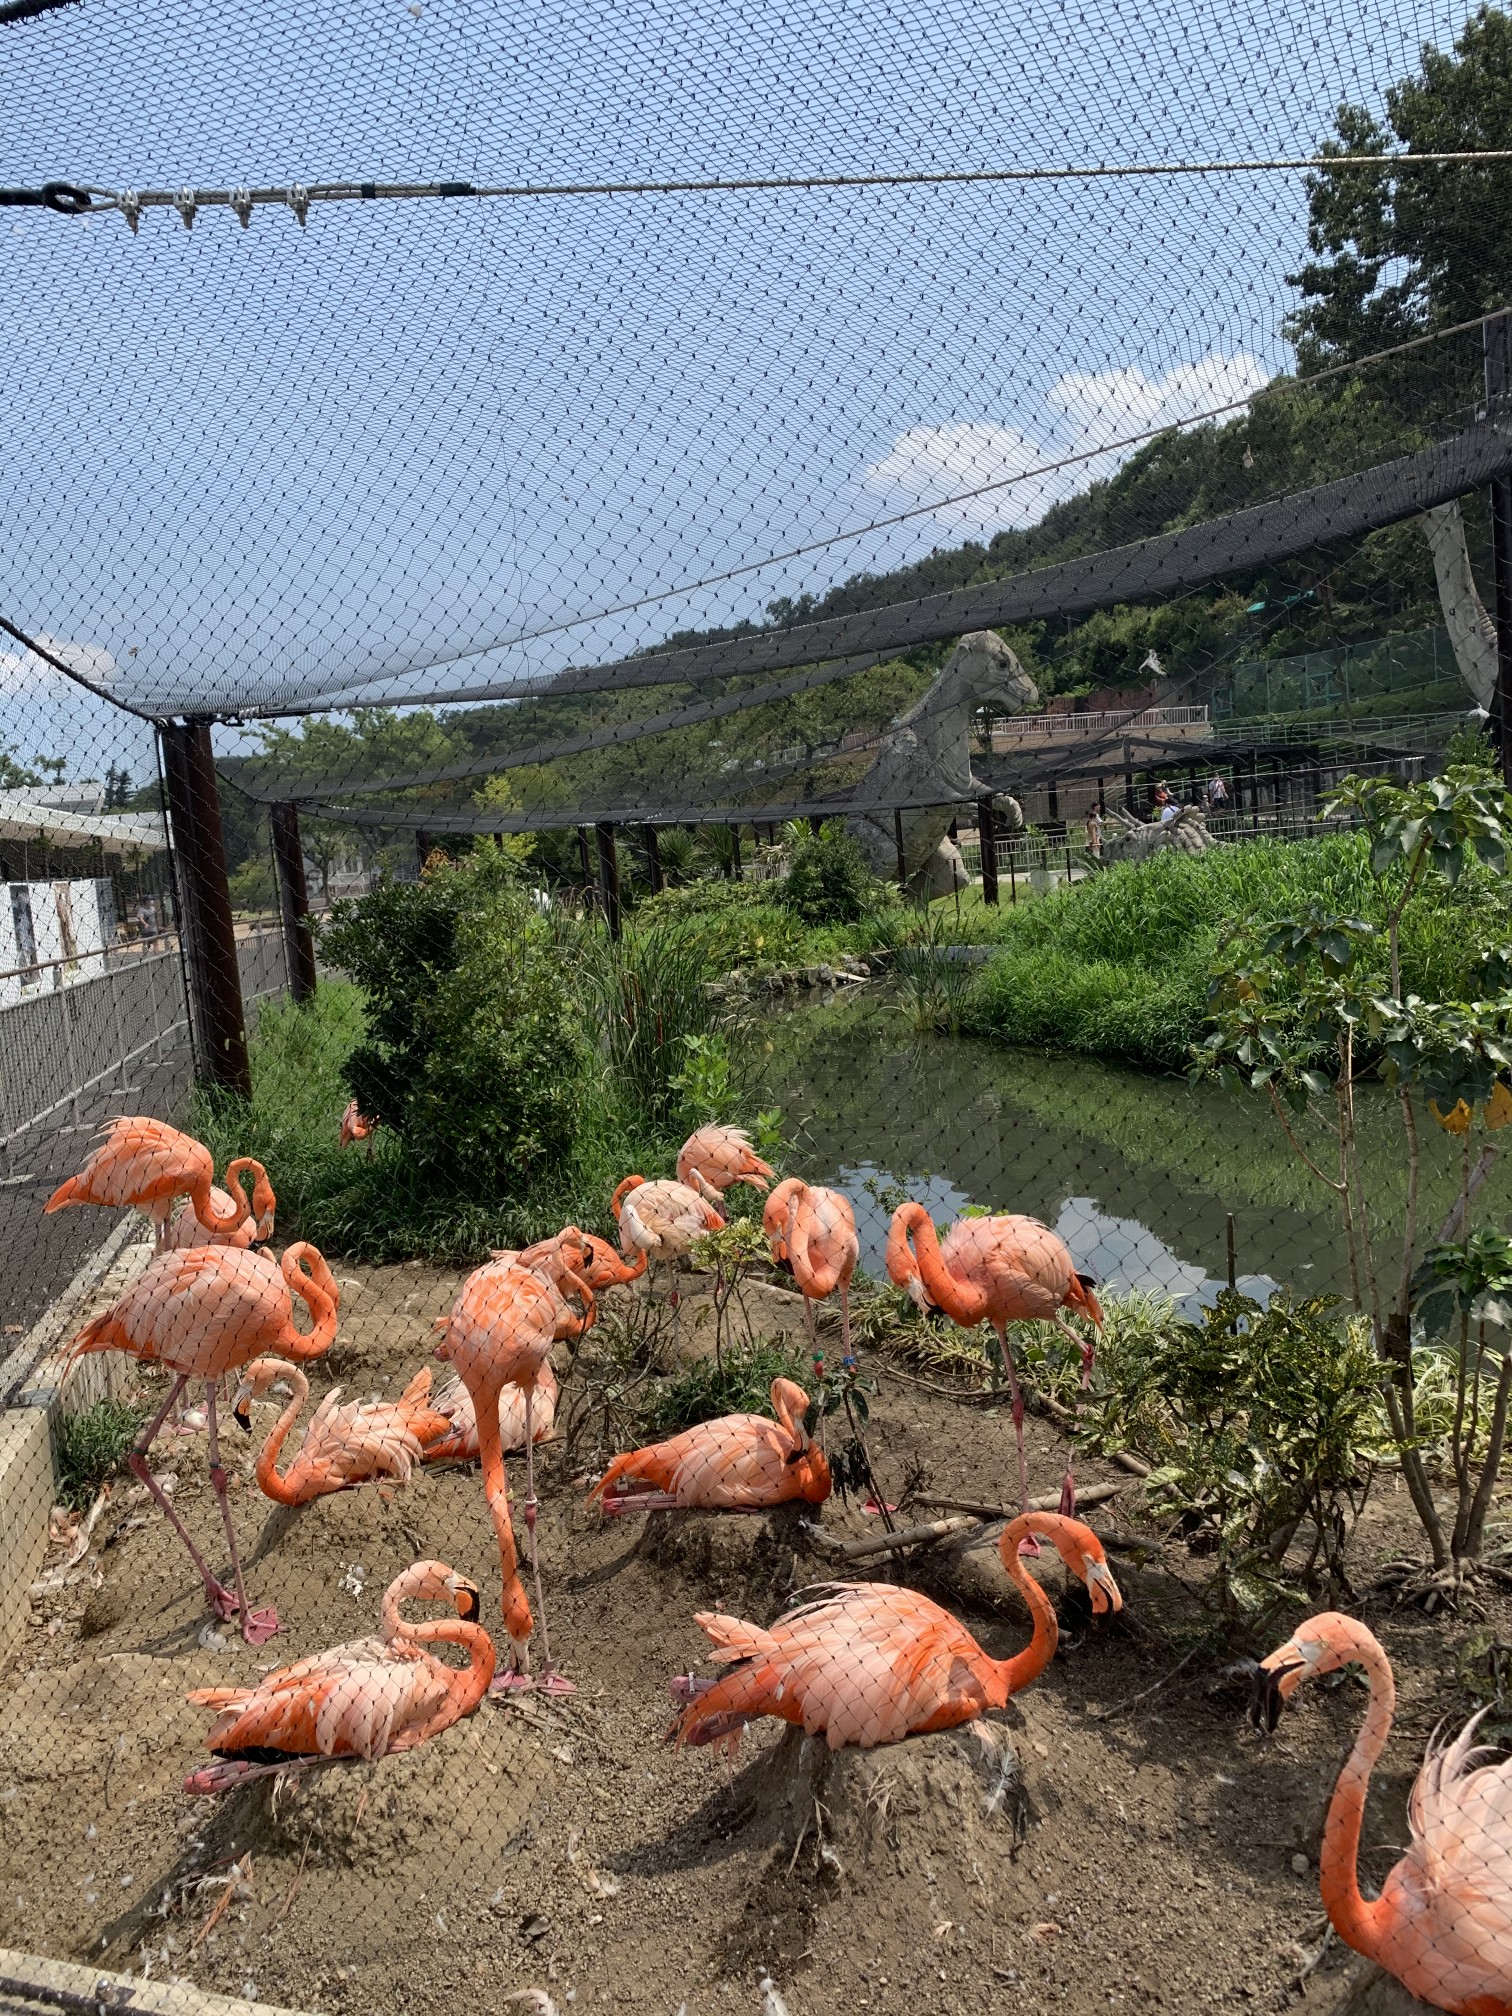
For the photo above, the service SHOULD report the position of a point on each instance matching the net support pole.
(294, 903)
(587, 871)
(735, 861)
(987, 841)
(609, 883)
(654, 874)
(898, 844)
(1497, 339)
(422, 848)
(815, 824)
(200, 847)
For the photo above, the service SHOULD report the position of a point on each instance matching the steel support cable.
(328, 784)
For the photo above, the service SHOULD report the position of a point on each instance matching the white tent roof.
(69, 817)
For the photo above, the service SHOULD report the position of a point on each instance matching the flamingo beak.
(469, 1599)
(1104, 1591)
(1276, 1679)
(241, 1413)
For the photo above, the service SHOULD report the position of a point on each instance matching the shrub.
(650, 995)
(740, 1384)
(735, 924)
(92, 1447)
(829, 881)
(475, 1055)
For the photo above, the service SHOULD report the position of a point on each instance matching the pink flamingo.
(711, 1160)
(372, 1698)
(203, 1313)
(1443, 1921)
(812, 1231)
(460, 1442)
(147, 1164)
(355, 1126)
(342, 1446)
(560, 1261)
(499, 1333)
(999, 1271)
(186, 1230)
(739, 1463)
(660, 1221)
(868, 1662)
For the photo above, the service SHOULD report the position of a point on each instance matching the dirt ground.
(1131, 1845)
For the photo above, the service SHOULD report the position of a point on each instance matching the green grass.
(1118, 965)
(92, 1448)
(741, 1385)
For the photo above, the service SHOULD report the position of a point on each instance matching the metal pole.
(422, 848)
(815, 824)
(1497, 340)
(1128, 775)
(215, 979)
(294, 903)
(583, 860)
(654, 873)
(735, 863)
(609, 884)
(898, 844)
(987, 838)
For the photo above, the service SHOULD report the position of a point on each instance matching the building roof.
(71, 815)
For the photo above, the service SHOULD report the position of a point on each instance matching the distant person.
(1094, 831)
(1217, 794)
(1165, 804)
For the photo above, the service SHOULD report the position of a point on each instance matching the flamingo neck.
(468, 1686)
(268, 1480)
(203, 1202)
(1026, 1666)
(616, 1202)
(1357, 1921)
(320, 1304)
(962, 1301)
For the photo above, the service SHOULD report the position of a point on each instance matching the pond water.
(1138, 1174)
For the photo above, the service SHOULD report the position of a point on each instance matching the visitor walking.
(1217, 794)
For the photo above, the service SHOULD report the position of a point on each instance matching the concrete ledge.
(27, 1487)
(28, 1984)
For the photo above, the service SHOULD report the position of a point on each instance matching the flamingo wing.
(352, 1701)
(137, 1161)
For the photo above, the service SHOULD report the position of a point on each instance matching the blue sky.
(239, 463)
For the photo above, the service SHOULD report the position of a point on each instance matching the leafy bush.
(92, 1448)
(829, 881)
(475, 1055)
(650, 995)
(735, 924)
(740, 1384)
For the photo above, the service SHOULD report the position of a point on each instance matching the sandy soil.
(1124, 1848)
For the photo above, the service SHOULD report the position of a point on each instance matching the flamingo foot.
(222, 1601)
(258, 1626)
(511, 1683)
(553, 1682)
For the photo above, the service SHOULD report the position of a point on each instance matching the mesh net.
(754, 1007)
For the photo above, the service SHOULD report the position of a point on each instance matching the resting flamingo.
(372, 1698)
(343, 1445)
(356, 1126)
(1443, 1921)
(713, 1159)
(996, 1270)
(812, 1231)
(739, 1463)
(499, 1334)
(148, 1164)
(460, 1442)
(868, 1662)
(203, 1313)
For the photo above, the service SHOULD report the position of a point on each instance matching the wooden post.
(1054, 804)
(422, 848)
(654, 874)
(987, 839)
(609, 884)
(1102, 803)
(294, 903)
(735, 854)
(898, 844)
(816, 824)
(1128, 775)
(1497, 341)
(210, 940)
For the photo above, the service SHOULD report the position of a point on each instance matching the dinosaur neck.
(268, 1480)
(1356, 1921)
(962, 1301)
(1017, 1672)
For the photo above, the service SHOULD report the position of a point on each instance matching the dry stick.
(298, 1879)
(240, 1871)
(906, 1536)
(1106, 1714)
(1095, 1494)
(978, 1396)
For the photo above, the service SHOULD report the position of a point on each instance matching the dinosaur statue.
(1126, 838)
(928, 752)
(1471, 631)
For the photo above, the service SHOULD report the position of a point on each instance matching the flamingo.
(186, 1230)
(1443, 1921)
(559, 1261)
(342, 1445)
(661, 1220)
(740, 1463)
(202, 1313)
(460, 1443)
(713, 1159)
(603, 1268)
(356, 1126)
(868, 1663)
(813, 1232)
(1000, 1271)
(144, 1162)
(499, 1333)
(372, 1698)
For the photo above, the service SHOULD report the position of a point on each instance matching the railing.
(1361, 728)
(60, 1045)
(1019, 727)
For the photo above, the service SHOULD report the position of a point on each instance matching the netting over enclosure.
(755, 1006)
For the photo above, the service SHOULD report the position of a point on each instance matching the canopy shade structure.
(65, 818)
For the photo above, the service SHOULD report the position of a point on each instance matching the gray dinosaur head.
(989, 673)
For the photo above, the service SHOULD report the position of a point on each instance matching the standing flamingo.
(500, 1333)
(813, 1232)
(342, 1446)
(356, 1126)
(202, 1313)
(146, 1163)
(867, 1662)
(661, 1220)
(1443, 1921)
(713, 1159)
(739, 1463)
(372, 1698)
(999, 1271)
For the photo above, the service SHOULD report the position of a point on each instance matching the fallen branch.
(977, 1396)
(1094, 1494)
(1106, 1714)
(906, 1536)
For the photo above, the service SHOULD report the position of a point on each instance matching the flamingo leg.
(257, 1626)
(551, 1680)
(220, 1599)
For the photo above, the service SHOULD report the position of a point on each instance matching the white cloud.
(23, 671)
(1086, 411)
